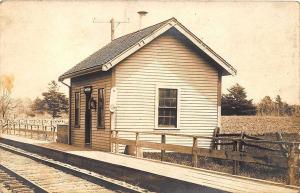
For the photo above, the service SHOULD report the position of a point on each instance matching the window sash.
(77, 108)
(167, 107)
(101, 113)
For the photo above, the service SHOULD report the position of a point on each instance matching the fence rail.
(291, 162)
(27, 129)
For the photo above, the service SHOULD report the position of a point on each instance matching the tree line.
(235, 102)
(53, 103)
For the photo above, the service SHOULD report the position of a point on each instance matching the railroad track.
(9, 182)
(28, 172)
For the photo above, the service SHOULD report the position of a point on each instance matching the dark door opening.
(88, 115)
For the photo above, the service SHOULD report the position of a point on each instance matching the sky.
(40, 40)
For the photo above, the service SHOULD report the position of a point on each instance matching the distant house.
(160, 78)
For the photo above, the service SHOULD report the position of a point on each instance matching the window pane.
(101, 107)
(167, 107)
(77, 105)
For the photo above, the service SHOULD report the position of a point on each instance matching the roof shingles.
(112, 50)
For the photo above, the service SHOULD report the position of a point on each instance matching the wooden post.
(53, 135)
(112, 29)
(31, 131)
(194, 152)
(162, 152)
(51, 124)
(292, 165)
(214, 141)
(111, 143)
(38, 131)
(241, 143)
(236, 166)
(45, 132)
(241, 148)
(137, 149)
(116, 144)
(26, 127)
(14, 129)
(282, 146)
(19, 126)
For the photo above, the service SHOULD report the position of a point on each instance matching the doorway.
(88, 120)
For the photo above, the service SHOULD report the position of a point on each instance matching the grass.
(264, 127)
(226, 166)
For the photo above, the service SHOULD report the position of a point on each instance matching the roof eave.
(79, 73)
(206, 49)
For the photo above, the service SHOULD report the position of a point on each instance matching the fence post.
(194, 152)
(283, 146)
(26, 127)
(236, 164)
(7, 127)
(162, 152)
(292, 165)
(38, 131)
(137, 149)
(214, 140)
(116, 144)
(45, 132)
(241, 143)
(111, 143)
(241, 148)
(14, 129)
(19, 126)
(31, 131)
(53, 135)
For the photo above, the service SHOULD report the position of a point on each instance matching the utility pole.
(112, 29)
(113, 25)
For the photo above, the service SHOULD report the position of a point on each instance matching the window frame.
(156, 114)
(101, 126)
(78, 124)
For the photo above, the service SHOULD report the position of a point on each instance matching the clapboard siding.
(167, 61)
(100, 137)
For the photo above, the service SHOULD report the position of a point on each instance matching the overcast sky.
(40, 40)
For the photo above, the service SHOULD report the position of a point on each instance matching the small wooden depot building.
(160, 78)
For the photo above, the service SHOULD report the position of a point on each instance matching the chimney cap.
(142, 13)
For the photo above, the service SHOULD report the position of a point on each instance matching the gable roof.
(122, 47)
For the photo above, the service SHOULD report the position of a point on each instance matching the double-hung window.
(100, 116)
(167, 108)
(77, 106)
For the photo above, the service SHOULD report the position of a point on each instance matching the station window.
(167, 108)
(77, 106)
(101, 108)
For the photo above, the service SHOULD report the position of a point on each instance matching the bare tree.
(6, 101)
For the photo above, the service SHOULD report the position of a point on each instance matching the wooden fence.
(291, 162)
(30, 130)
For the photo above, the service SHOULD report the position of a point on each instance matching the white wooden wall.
(166, 60)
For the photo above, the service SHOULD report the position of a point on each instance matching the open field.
(256, 125)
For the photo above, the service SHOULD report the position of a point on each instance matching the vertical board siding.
(167, 61)
(100, 138)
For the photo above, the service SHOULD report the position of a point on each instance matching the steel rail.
(93, 177)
